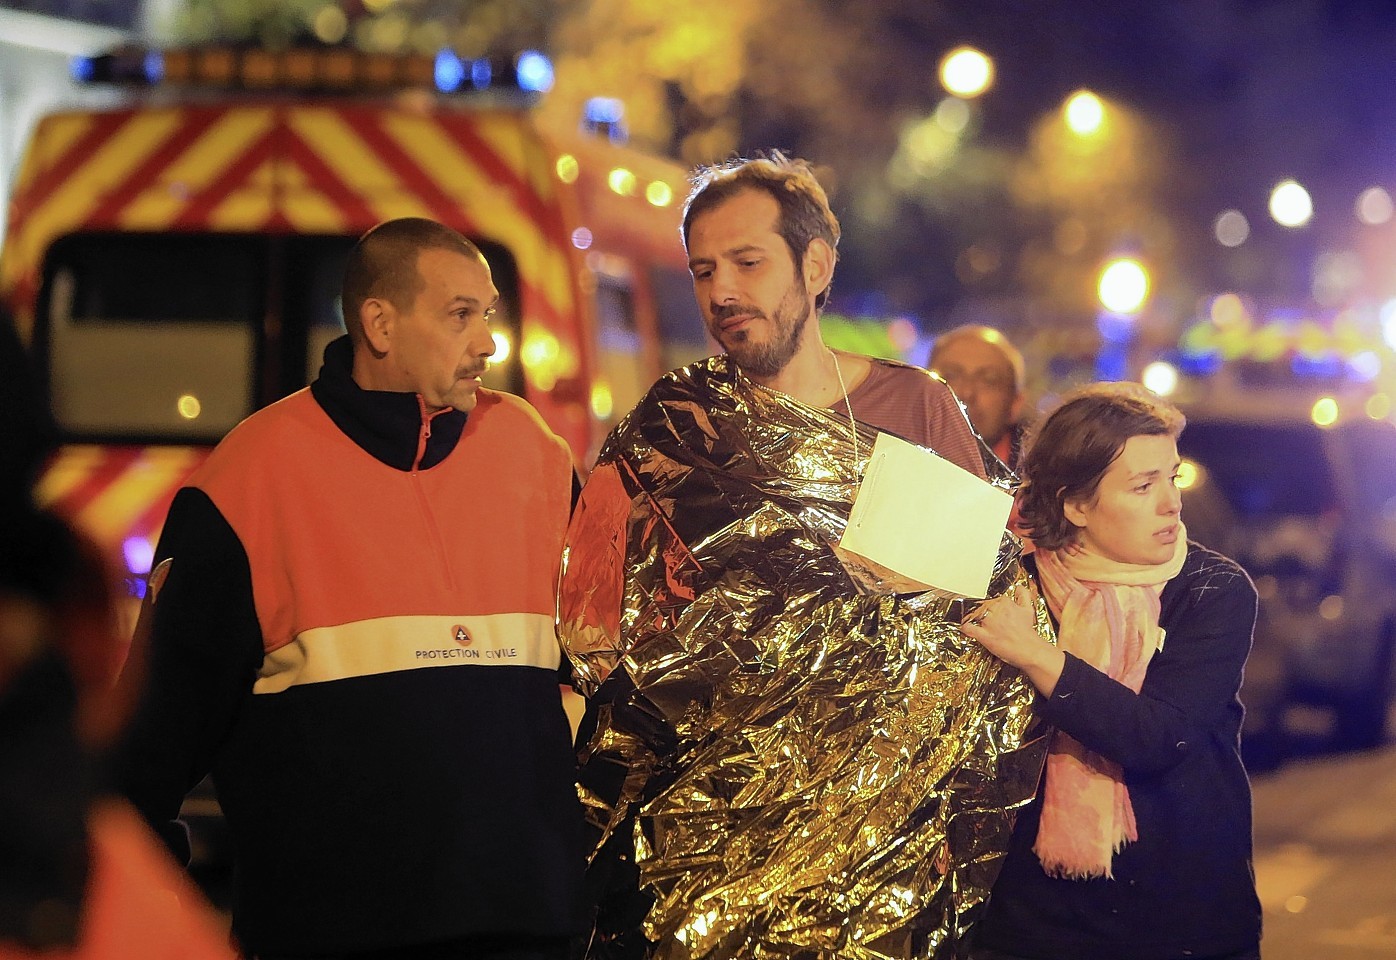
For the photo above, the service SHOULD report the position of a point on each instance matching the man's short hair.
(804, 206)
(975, 331)
(383, 264)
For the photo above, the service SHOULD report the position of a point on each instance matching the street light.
(1290, 204)
(1085, 113)
(966, 72)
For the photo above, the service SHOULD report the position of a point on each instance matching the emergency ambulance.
(174, 261)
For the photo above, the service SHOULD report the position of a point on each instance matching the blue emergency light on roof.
(481, 73)
(604, 110)
(449, 71)
(606, 115)
(535, 71)
(122, 66)
(82, 69)
(323, 69)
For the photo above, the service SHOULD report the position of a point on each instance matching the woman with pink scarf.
(1138, 845)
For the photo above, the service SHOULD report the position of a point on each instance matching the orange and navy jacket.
(352, 629)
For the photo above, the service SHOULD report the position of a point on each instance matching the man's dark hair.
(804, 207)
(383, 264)
(1076, 444)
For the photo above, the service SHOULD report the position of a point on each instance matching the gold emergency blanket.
(777, 762)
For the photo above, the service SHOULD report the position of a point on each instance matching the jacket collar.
(394, 428)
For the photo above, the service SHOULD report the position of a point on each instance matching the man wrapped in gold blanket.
(781, 757)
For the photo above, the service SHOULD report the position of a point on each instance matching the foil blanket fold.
(780, 759)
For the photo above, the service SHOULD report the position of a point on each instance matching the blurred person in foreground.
(987, 373)
(352, 628)
(80, 875)
(781, 757)
(1138, 846)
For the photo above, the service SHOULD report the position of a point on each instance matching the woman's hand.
(1006, 626)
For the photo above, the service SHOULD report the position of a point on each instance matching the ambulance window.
(620, 360)
(683, 336)
(152, 335)
(615, 308)
(505, 372)
(315, 274)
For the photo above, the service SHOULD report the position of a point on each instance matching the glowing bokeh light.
(1231, 228)
(1387, 316)
(604, 110)
(602, 403)
(1331, 607)
(1290, 204)
(534, 72)
(1228, 311)
(1085, 114)
(189, 406)
(1324, 412)
(1161, 378)
(622, 181)
(502, 347)
(1378, 406)
(659, 193)
(330, 24)
(1365, 366)
(902, 333)
(1124, 286)
(568, 168)
(1374, 206)
(138, 554)
(1190, 475)
(966, 72)
(542, 356)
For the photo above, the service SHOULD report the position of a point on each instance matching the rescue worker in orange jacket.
(352, 629)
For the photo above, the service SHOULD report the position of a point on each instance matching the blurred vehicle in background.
(174, 259)
(1305, 500)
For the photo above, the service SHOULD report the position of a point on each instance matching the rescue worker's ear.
(818, 266)
(375, 317)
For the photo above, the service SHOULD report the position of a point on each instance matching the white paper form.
(927, 519)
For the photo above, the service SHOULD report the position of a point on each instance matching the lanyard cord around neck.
(852, 423)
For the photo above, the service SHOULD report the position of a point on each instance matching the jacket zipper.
(428, 518)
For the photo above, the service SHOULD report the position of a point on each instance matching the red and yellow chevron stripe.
(277, 167)
(117, 492)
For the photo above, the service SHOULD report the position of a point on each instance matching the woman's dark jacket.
(1186, 887)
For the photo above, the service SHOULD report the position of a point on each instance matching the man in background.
(986, 372)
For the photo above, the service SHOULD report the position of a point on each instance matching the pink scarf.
(1107, 614)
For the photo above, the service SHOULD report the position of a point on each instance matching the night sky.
(1244, 93)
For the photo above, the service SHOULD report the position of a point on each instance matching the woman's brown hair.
(1075, 445)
